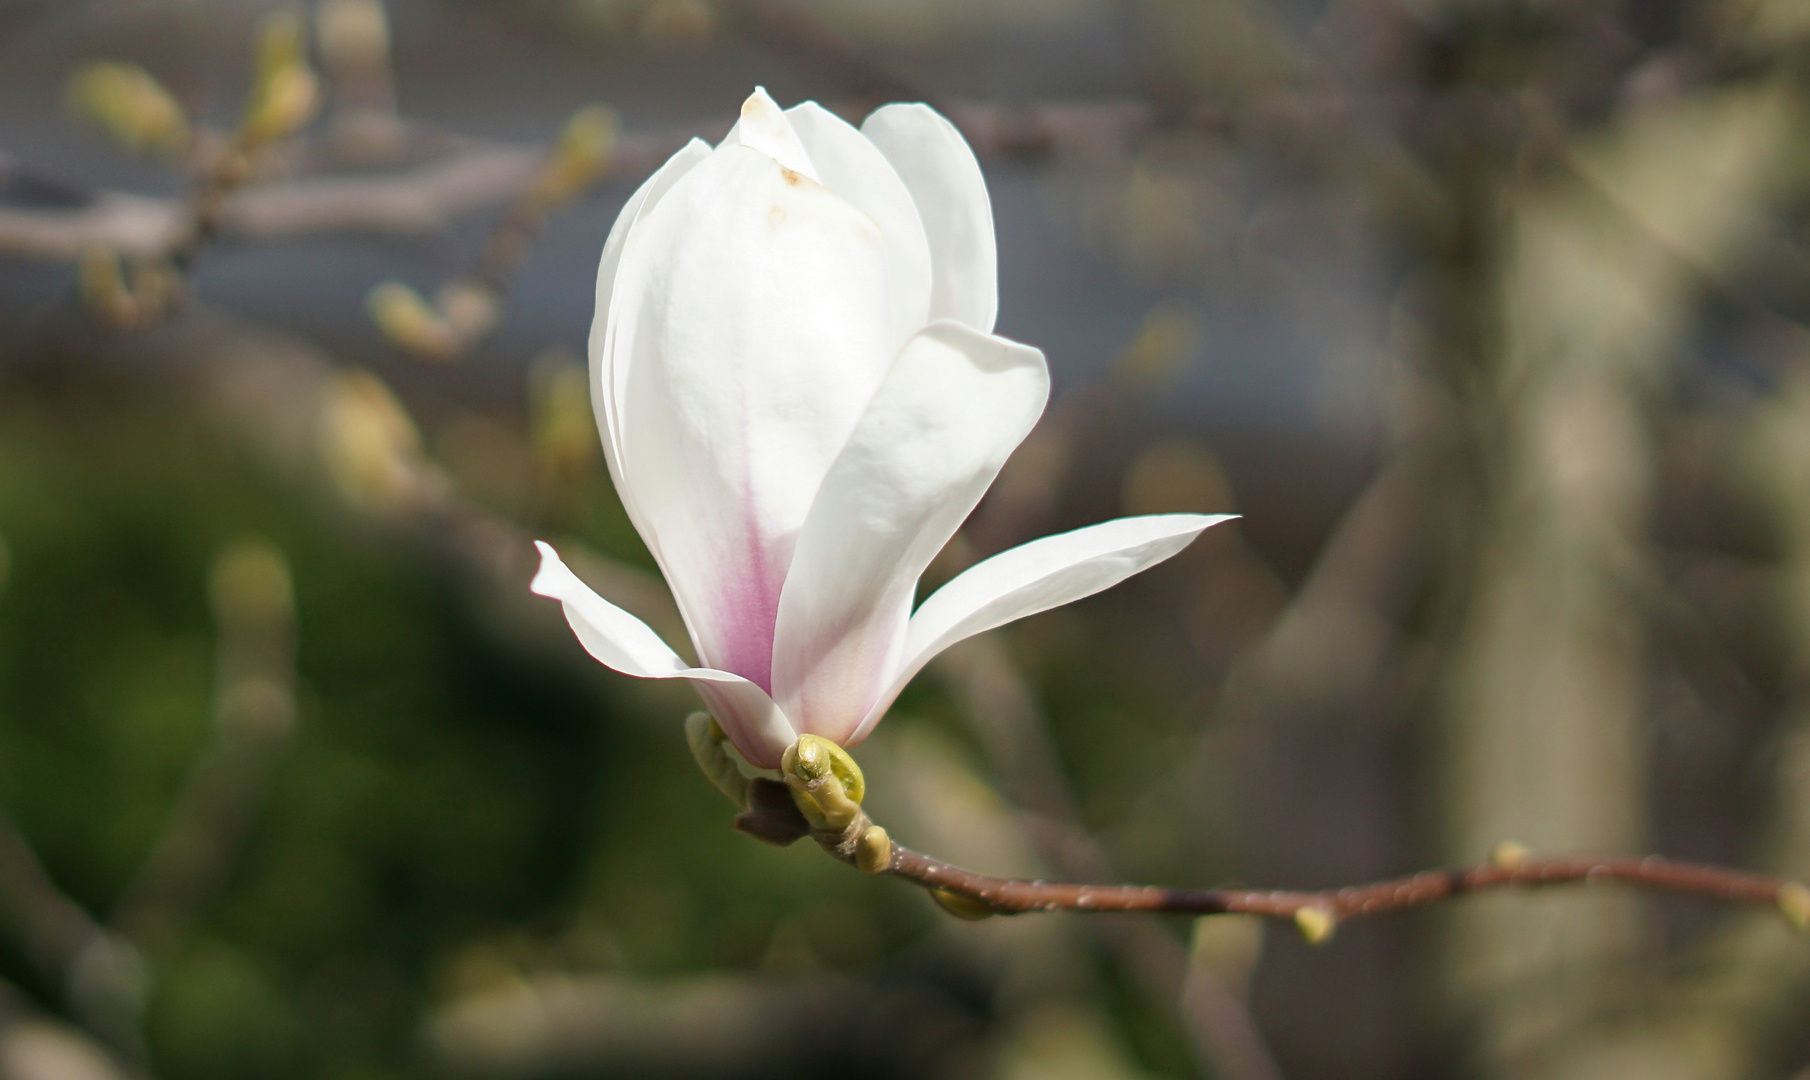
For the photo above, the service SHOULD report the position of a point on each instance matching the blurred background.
(1488, 315)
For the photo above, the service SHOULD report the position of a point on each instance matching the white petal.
(1035, 577)
(619, 640)
(648, 195)
(946, 183)
(750, 719)
(852, 167)
(749, 328)
(952, 409)
(764, 127)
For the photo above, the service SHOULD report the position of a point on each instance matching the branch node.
(1510, 856)
(1316, 924)
(873, 851)
(962, 906)
(1794, 903)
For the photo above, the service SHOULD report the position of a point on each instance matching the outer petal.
(852, 167)
(764, 127)
(750, 326)
(952, 409)
(619, 640)
(946, 183)
(1035, 577)
(603, 394)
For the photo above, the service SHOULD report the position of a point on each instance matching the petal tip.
(546, 578)
(758, 103)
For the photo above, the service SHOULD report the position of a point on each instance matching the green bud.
(962, 906)
(282, 43)
(1510, 856)
(813, 757)
(582, 155)
(249, 585)
(411, 323)
(1794, 904)
(1316, 925)
(282, 104)
(873, 852)
(129, 104)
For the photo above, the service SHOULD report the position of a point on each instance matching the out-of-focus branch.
(254, 717)
(814, 801)
(1317, 913)
(99, 973)
(468, 307)
(1003, 713)
(471, 175)
(418, 200)
(100, 969)
(354, 37)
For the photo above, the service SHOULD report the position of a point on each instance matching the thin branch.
(254, 703)
(99, 974)
(1003, 712)
(848, 834)
(1008, 896)
(474, 175)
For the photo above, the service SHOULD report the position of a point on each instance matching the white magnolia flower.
(801, 399)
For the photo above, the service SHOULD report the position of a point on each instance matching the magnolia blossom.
(801, 399)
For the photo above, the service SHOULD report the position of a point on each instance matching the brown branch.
(1009, 896)
(470, 175)
(773, 816)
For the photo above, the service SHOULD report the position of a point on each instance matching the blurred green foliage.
(445, 804)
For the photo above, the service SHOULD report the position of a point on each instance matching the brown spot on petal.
(791, 177)
(776, 216)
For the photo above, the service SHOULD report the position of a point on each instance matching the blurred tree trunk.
(1542, 741)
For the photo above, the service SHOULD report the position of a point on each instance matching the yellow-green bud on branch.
(128, 103)
(1794, 904)
(409, 322)
(961, 905)
(873, 852)
(371, 446)
(1316, 925)
(583, 154)
(825, 781)
(1509, 856)
(285, 92)
(281, 107)
(249, 587)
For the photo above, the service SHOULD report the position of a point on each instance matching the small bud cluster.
(466, 309)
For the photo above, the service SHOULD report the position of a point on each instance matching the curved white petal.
(763, 126)
(603, 390)
(749, 327)
(1035, 577)
(854, 168)
(620, 641)
(952, 409)
(951, 195)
